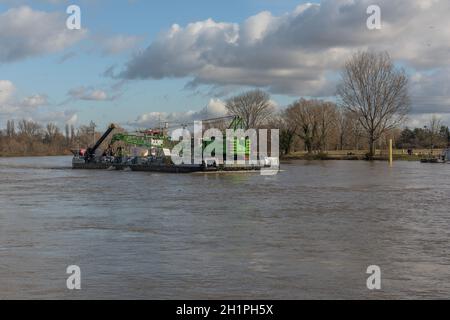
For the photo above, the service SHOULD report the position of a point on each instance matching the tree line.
(433, 135)
(372, 103)
(316, 126)
(29, 138)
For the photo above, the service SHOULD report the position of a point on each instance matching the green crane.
(140, 141)
(241, 147)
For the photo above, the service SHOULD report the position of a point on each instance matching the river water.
(308, 233)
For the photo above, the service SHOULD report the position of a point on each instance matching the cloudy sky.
(135, 61)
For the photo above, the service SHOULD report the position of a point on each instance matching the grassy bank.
(399, 155)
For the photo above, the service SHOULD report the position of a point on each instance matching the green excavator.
(150, 139)
(147, 141)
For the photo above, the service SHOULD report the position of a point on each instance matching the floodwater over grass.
(309, 232)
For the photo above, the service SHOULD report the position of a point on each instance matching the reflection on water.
(309, 232)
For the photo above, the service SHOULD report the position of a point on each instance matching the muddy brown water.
(308, 233)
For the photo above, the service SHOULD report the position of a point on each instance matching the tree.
(34, 139)
(10, 128)
(303, 115)
(356, 130)
(375, 90)
(92, 126)
(445, 134)
(326, 119)
(52, 131)
(433, 128)
(287, 128)
(342, 125)
(30, 129)
(314, 121)
(72, 133)
(84, 136)
(253, 107)
(67, 136)
(407, 138)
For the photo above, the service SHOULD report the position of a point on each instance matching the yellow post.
(391, 155)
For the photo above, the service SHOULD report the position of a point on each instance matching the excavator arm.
(237, 123)
(91, 151)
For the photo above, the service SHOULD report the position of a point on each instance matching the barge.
(443, 158)
(163, 167)
(156, 159)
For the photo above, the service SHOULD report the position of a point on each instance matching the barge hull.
(166, 168)
(163, 168)
(92, 166)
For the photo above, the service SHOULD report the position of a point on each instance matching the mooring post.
(391, 155)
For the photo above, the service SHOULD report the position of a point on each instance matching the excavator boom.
(91, 151)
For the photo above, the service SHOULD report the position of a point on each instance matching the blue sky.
(69, 79)
(145, 19)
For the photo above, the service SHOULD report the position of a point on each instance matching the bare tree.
(375, 90)
(434, 128)
(326, 119)
(10, 128)
(72, 133)
(314, 120)
(253, 107)
(67, 136)
(303, 115)
(356, 130)
(29, 128)
(342, 126)
(51, 132)
(288, 129)
(84, 136)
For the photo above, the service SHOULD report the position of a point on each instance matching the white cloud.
(88, 94)
(25, 33)
(34, 107)
(422, 120)
(71, 119)
(215, 109)
(58, 117)
(35, 101)
(298, 53)
(257, 27)
(7, 89)
(9, 103)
